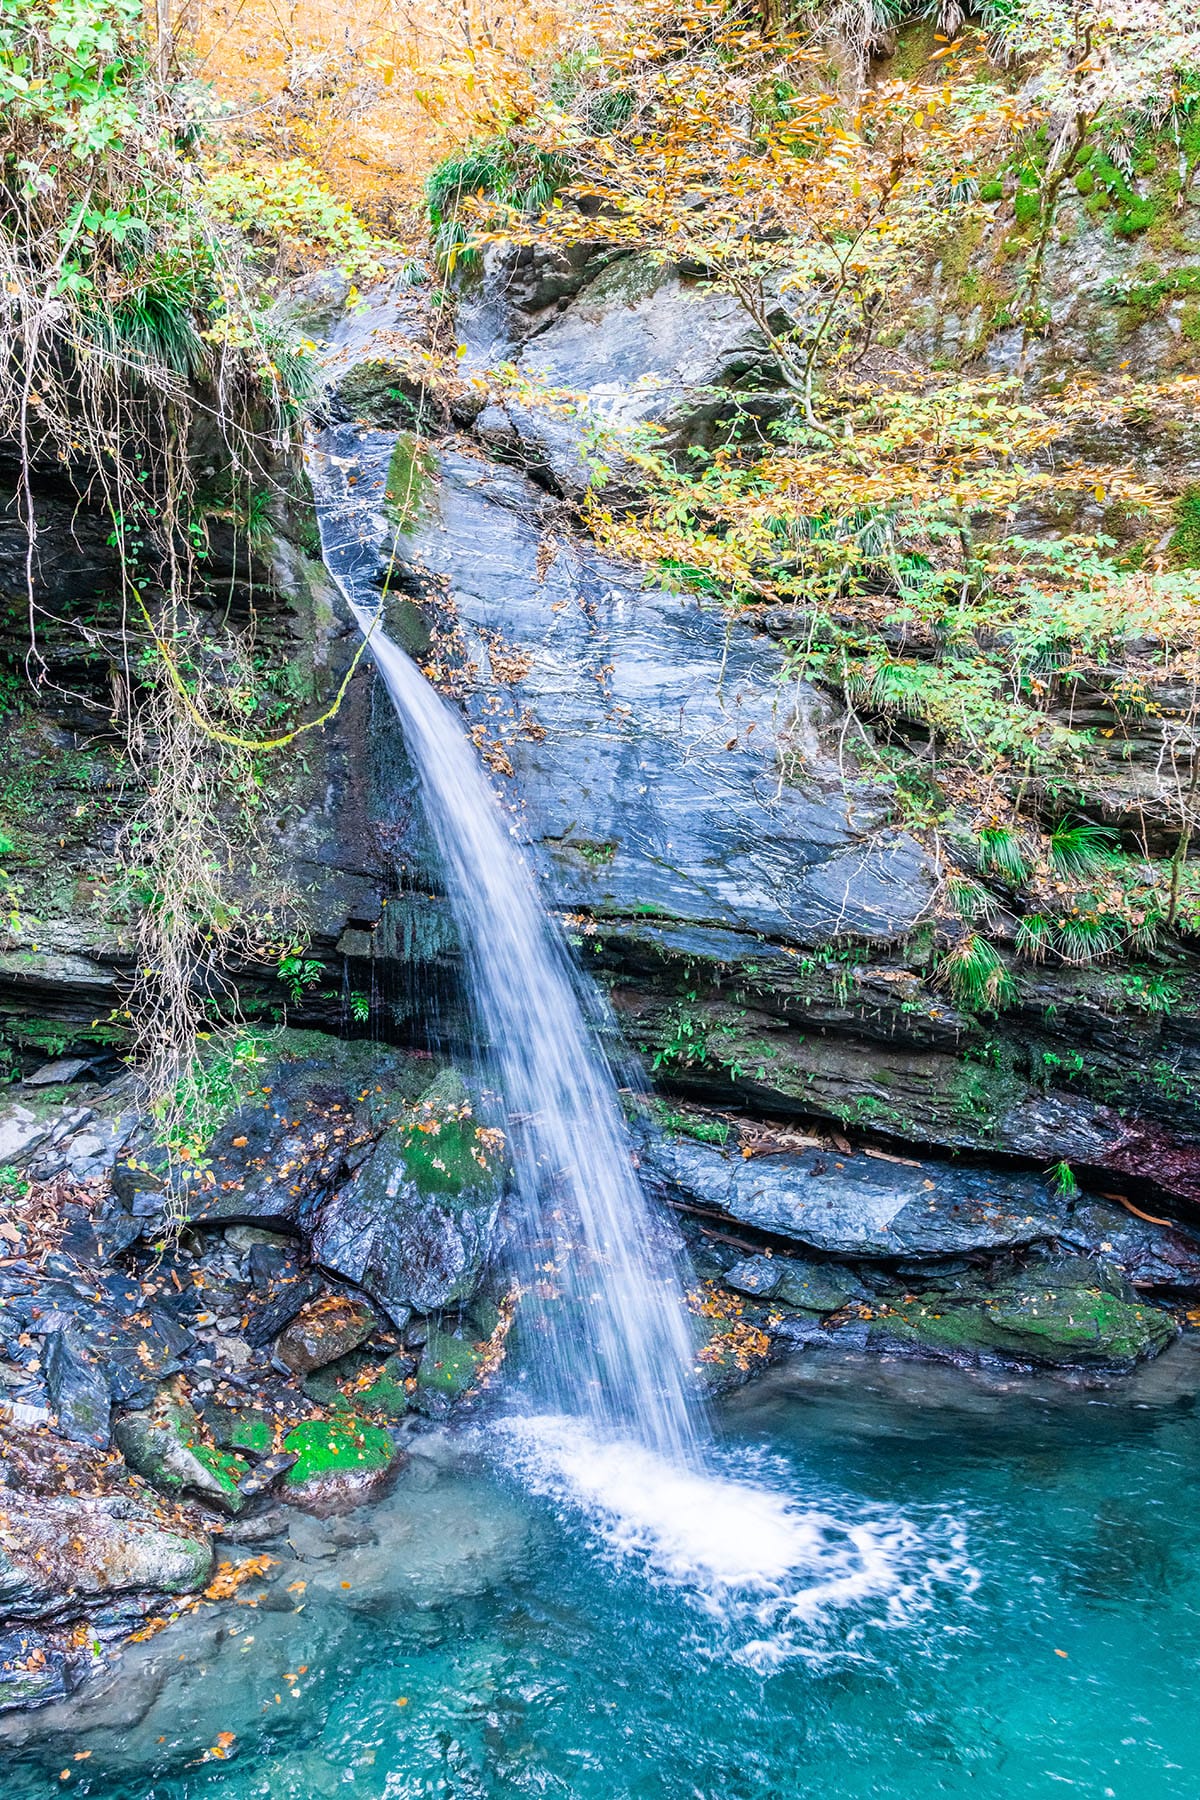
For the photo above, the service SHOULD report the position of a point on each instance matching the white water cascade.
(614, 1432)
(611, 1345)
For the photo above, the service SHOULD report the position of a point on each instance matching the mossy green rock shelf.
(1064, 1318)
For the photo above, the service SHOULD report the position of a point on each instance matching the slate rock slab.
(78, 1382)
(807, 1286)
(60, 1556)
(855, 1205)
(409, 1248)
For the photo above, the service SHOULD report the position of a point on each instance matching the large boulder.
(324, 1330)
(639, 345)
(415, 1225)
(60, 1556)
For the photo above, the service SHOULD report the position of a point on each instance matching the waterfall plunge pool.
(940, 1584)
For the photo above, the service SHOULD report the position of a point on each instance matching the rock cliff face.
(743, 889)
(852, 1160)
(749, 900)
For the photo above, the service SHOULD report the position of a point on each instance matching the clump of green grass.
(1081, 849)
(1000, 853)
(977, 976)
(497, 169)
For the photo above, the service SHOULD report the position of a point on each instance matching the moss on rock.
(449, 1366)
(167, 1447)
(1062, 1318)
(339, 1462)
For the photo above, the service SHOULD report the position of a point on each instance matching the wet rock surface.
(164, 1385)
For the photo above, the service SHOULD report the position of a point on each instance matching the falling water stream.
(610, 1421)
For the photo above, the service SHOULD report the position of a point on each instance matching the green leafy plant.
(1062, 1179)
(289, 212)
(977, 976)
(1080, 849)
(298, 973)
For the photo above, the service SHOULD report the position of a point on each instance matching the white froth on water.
(783, 1578)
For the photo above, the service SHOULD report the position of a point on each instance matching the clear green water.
(1003, 1521)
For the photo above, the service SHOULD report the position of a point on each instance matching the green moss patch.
(1036, 1318)
(224, 1467)
(387, 1394)
(1184, 547)
(410, 471)
(449, 1365)
(345, 1445)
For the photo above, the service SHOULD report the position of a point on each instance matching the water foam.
(780, 1577)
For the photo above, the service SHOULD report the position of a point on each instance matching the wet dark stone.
(271, 1263)
(266, 1322)
(78, 1383)
(35, 1669)
(266, 1474)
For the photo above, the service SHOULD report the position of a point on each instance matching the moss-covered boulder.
(449, 1369)
(169, 1448)
(388, 1395)
(340, 1462)
(248, 1432)
(1065, 1314)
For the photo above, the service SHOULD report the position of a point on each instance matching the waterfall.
(602, 1323)
(611, 1429)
